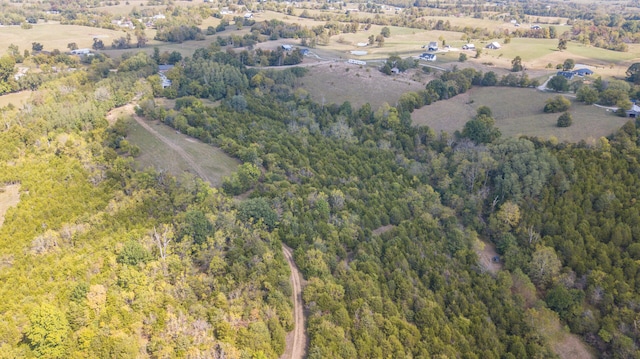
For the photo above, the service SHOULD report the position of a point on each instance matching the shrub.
(557, 104)
(565, 120)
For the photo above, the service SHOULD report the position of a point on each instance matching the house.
(395, 70)
(287, 47)
(494, 46)
(164, 68)
(428, 57)
(304, 52)
(164, 80)
(248, 16)
(469, 47)
(80, 52)
(582, 72)
(634, 112)
(433, 46)
(566, 74)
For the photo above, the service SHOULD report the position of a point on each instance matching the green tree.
(557, 104)
(558, 83)
(633, 73)
(562, 44)
(386, 32)
(565, 120)
(47, 332)
(36, 46)
(462, 57)
(587, 94)
(380, 40)
(544, 266)
(258, 209)
(516, 64)
(481, 129)
(568, 64)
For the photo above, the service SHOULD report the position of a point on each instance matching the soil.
(486, 257)
(296, 341)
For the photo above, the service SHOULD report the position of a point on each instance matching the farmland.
(522, 116)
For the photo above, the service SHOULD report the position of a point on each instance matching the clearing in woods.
(163, 148)
(9, 197)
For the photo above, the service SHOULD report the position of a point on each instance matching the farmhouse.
(494, 46)
(566, 74)
(433, 46)
(80, 52)
(582, 72)
(428, 57)
(634, 112)
(469, 47)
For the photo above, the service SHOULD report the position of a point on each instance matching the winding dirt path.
(297, 339)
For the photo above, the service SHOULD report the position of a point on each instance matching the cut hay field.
(332, 83)
(518, 112)
(54, 36)
(17, 98)
(154, 153)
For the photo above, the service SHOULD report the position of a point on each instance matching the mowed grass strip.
(519, 111)
(154, 153)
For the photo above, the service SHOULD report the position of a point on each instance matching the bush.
(565, 120)
(557, 104)
(462, 58)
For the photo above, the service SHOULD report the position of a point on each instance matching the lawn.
(154, 153)
(519, 112)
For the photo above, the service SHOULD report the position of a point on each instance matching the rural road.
(179, 150)
(297, 339)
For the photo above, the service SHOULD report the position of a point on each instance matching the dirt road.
(297, 339)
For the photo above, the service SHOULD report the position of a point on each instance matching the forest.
(101, 260)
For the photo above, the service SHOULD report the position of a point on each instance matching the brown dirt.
(9, 197)
(571, 347)
(486, 252)
(378, 231)
(296, 341)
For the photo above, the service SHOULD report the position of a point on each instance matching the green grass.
(332, 83)
(519, 112)
(154, 153)
(54, 36)
(16, 98)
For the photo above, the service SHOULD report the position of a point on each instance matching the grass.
(16, 98)
(332, 83)
(9, 197)
(523, 115)
(154, 153)
(54, 36)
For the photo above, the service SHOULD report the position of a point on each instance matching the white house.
(469, 47)
(81, 52)
(287, 47)
(494, 46)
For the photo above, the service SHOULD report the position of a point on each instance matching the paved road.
(297, 339)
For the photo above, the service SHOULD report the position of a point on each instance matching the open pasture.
(518, 111)
(154, 153)
(16, 99)
(54, 36)
(339, 82)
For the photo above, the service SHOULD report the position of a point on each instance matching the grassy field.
(332, 83)
(54, 36)
(154, 153)
(17, 98)
(522, 116)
